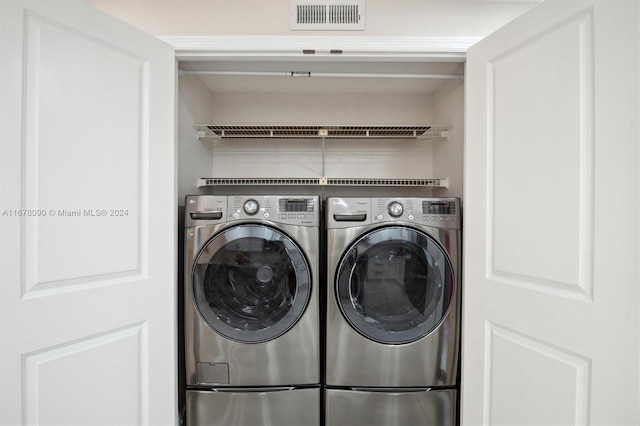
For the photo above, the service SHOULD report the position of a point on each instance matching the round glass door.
(251, 283)
(394, 285)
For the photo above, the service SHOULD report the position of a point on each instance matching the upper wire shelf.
(428, 132)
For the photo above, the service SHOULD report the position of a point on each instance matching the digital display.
(438, 207)
(296, 205)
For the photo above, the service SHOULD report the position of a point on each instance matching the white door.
(551, 233)
(87, 219)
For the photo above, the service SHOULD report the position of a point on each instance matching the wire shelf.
(428, 132)
(440, 183)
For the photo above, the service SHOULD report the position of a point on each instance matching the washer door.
(395, 285)
(251, 283)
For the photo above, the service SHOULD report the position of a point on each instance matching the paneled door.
(551, 233)
(87, 219)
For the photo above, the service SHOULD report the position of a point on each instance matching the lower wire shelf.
(439, 183)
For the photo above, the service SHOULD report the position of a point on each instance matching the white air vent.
(327, 15)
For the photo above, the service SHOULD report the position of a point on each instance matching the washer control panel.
(294, 210)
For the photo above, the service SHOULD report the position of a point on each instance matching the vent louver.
(327, 15)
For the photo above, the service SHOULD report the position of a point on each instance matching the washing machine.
(252, 343)
(393, 311)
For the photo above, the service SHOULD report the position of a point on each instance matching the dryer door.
(395, 285)
(251, 283)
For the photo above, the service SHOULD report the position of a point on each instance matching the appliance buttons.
(266, 214)
(410, 217)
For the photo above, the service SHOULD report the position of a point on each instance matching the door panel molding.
(544, 366)
(62, 375)
(523, 166)
(87, 226)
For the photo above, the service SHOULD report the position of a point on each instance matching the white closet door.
(87, 218)
(551, 296)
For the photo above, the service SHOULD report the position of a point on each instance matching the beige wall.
(444, 18)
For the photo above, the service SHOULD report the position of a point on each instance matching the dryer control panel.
(434, 212)
(293, 210)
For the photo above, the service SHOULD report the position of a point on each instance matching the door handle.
(255, 390)
(206, 215)
(360, 217)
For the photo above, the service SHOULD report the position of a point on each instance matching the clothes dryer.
(393, 308)
(251, 310)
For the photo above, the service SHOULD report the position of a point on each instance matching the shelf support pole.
(323, 156)
(323, 133)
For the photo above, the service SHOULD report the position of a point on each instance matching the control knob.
(251, 207)
(395, 209)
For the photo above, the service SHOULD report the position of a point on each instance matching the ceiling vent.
(327, 15)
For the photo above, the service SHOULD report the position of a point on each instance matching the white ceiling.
(440, 18)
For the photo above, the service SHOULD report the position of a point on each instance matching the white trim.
(309, 74)
(293, 47)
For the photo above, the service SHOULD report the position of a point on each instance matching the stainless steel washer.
(393, 308)
(251, 310)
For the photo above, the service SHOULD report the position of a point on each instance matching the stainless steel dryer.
(393, 308)
(251, 310)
